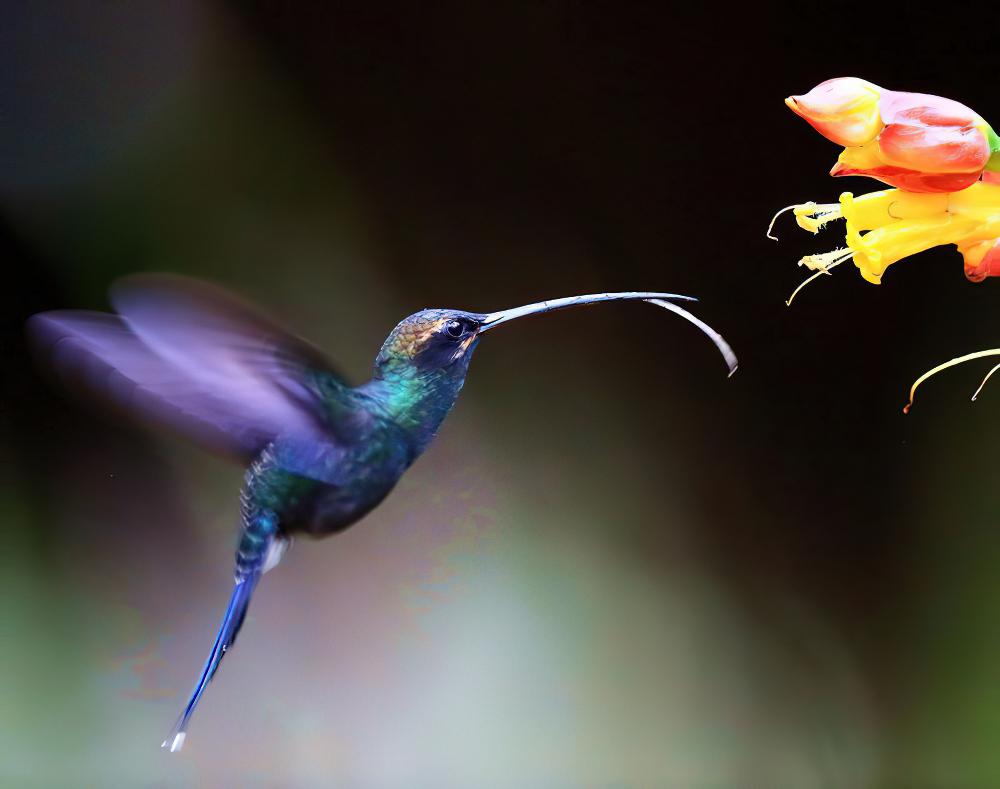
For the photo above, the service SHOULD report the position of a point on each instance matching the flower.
(887, 226)
(914, 141)
(944, 160)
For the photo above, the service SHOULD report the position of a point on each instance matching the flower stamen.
(826, 260)
(809, 216)
(774, 219)
(988, 376)
(813, 217)
(821, 271)
(952, 363)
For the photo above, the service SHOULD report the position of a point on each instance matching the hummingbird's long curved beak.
(494, 319)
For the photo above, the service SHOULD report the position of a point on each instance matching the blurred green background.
(615, 567)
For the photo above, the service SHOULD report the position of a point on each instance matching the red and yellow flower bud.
(913, 141)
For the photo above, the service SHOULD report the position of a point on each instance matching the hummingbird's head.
(423, 362)
(443, 340)
(431, 341)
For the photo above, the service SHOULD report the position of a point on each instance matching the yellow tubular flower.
(887, 226)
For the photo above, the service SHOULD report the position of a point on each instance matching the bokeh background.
(615, 567)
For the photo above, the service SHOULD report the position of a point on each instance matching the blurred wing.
(227, 346)
(193, 357)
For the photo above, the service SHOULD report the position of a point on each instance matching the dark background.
(615, 566)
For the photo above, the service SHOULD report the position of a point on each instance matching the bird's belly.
(345, 483)
(334, 509)
(368, 478)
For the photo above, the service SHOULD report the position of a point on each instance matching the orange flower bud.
(844, 110)
(913, 141)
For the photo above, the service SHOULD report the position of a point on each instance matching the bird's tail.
(231, 623)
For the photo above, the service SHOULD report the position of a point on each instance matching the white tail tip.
(176, 743)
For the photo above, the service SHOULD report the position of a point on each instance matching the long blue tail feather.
(231, 623)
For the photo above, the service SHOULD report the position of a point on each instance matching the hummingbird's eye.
(455, 328)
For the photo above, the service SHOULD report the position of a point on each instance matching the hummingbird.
(319, 453)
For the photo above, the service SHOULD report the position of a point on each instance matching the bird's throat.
(417, 401)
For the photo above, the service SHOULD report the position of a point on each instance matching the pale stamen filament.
(988, 376)
(952, 363)
(774, 219)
